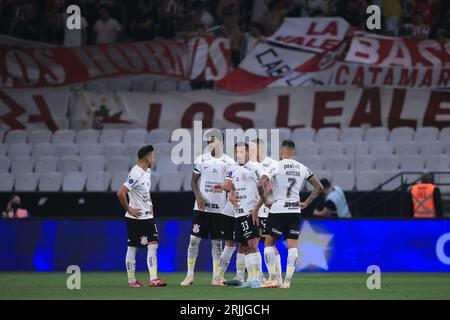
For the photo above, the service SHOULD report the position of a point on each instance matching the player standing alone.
(141, 228)
(284, 215)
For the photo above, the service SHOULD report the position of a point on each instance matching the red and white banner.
(32, 108)
(274, 108)
(205, 58)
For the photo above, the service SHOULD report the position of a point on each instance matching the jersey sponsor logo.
(294, 232)
(291, 166)
(212, 205)
(196, 228)
(291, 204)
(144, 240)
(130, 181)
(276, 231)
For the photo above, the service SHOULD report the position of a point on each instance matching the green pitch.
(112, 285)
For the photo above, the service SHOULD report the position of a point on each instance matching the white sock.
(256, 262)
(152, 261)
(240, 266)
(249, 267)
(216, 252)
(269, 258)
(278, 268)
(192, 254)
(130, 262)
(291, 263)
(224, 261)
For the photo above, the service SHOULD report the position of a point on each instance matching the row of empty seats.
(300, 135)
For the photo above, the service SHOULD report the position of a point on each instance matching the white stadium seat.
(187, 179)
(3, 149)
(437, 163)
(135, 137)
(22, 164)
(74, 182)
(381, 148)
(4, 164)
(39, 136)
(16, 136)
(155, 181)
(447, 149)
(303, 135)
(42, 149)
(113, 149)
(170, 181)
(131, 150)
(344, 179)
(111, 136)
(313, 162)
(26, 181)
(426, 134)
(6, 181)
(117, 164)
(87, 136)
(387, 163)
(351, 135)
(363, 163)
(19, 150)
(327, 134)
(307, 149)
(66, 149)
(401, 134)
(50, 182)
(45, 164)
(158, 135)
(331, 149)
(117, 180)
(92, 164)
(165, 164)
(163, 149)
(412, 163)
(90, 149)
(406, 149)
(431, 148)
(352, 149)
(391, 185)
(367, 180)
(376, 134)
(185, 168)
(98, 181)
(337, 164)
(444, 135)
(444, 178)
(63, 136)
(68, 164)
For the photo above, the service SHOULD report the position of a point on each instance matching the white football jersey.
(287, 182)
(245, 179)
(139, 183)
(270, 166)
(212, 171)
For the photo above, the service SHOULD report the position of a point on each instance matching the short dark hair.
(288, 144)
(144, 151)
(426, 178)
(325, 183)
(241, 144)
(216, 133)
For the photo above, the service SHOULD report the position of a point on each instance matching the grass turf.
(112, 285)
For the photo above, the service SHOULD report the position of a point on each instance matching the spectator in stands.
(275, 16)
(335, 203)
(24, 25)
(75, 37)
(426, 198)
(143, 24)
(14, 210)
(392, 10)
(202, 18)
(420, 30)
(106, 29)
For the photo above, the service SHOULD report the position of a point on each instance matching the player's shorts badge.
(144, 240)
(196, 228)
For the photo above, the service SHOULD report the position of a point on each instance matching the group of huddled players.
(241, 202)
(245, 200)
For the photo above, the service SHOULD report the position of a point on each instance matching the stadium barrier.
(324, 245)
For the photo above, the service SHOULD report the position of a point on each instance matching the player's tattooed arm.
(198, 195)
(318, 189)
(260, 185)
(122, 195)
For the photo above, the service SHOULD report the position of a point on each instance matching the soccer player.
(270, 166)
(284, 216)
(209, 170)
(141, 228)
(243, 181)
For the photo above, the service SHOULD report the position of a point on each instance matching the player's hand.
(303, 205)
(201, 203)
(134, 212)
(234, 200)
(217, 188)
(268, 203)
(255, 217)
